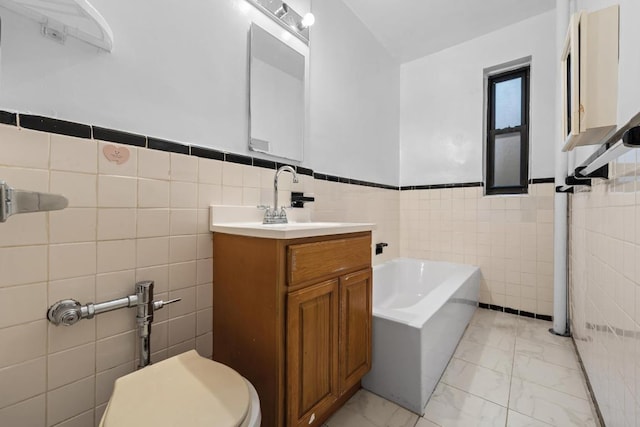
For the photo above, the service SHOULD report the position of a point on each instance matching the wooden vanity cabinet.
(294, 318)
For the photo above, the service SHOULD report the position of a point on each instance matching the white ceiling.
(411, 29)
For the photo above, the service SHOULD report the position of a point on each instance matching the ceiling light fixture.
(285, 16)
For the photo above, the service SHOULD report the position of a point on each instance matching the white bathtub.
(420, 311)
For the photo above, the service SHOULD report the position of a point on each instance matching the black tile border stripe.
(343, 180)
(542, 181)
(164, 145)
(265, 164)
(207, 153)
(119, 137)
(441, 186)
(299, 169)
(47, 124)
(61, 127)
(515, 311)
(238, 158)
(8, 118)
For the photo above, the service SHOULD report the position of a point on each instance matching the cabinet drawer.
(309, 261)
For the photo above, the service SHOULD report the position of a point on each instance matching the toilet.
(185, 390)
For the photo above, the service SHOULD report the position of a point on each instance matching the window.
(507, 157)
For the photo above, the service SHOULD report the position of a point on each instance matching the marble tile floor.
(506, 371)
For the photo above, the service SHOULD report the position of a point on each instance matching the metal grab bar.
(14, 201)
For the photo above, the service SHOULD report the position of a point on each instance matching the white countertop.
(247, 221)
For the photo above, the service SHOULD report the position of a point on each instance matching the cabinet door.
(355, 328)
(312, 352)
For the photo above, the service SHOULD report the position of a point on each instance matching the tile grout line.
(472, 394)
(48, 290)
(482, 326)
(542, 344)
(552, 363)
(480, 366)
(581, 374)
(513, 364)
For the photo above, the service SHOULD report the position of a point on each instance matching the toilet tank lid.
(185, 390)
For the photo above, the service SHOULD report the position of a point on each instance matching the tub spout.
(380, 247)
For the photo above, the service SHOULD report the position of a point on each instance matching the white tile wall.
(28, 413)
(124, 224)
(509, 237)
(72, 154)
(354, 203)
(27, 148)
(605, 293)
(147, 218)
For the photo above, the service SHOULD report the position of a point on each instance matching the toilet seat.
(185, 390)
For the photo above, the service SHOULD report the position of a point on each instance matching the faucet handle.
(157, 305)
(264, 207)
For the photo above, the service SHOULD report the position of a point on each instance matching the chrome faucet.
(275, 216)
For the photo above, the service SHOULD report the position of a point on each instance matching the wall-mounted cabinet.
(590, 77)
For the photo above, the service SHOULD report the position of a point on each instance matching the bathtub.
(420, 311)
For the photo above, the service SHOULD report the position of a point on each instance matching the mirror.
(276, 96)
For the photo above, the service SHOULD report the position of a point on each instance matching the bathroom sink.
(292, 230)
(306, 225)
(247, 221)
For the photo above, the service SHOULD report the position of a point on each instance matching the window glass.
(507, 160)
(507, 155)
(508, 98)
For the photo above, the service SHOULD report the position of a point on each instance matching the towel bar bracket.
(564, 189)
(572, 180)
(602, 173)
(14, 201)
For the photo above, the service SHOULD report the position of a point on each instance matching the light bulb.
(307, 21)
(244, 7)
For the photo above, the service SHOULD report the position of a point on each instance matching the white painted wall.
(179, 71)
(355, 111)
(442, 104)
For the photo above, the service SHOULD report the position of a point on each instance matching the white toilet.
(185, 390)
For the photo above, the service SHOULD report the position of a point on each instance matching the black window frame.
(523, 129)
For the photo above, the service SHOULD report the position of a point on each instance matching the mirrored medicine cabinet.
(277, 93)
